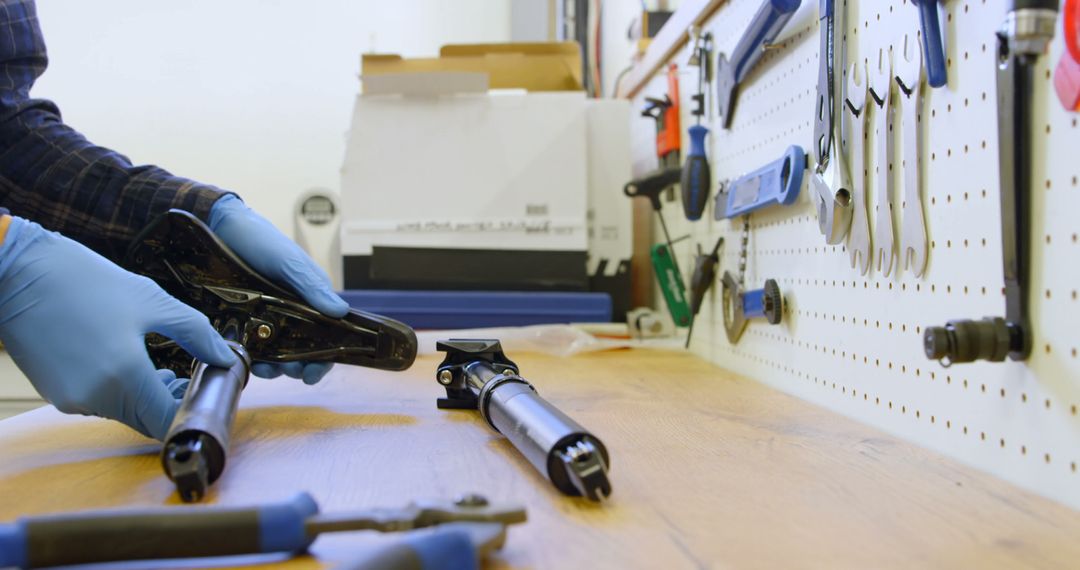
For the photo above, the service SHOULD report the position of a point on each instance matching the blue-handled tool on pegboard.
(933, 46)
(730, 71)
(741, 306)
(696, 175)
(776, 183)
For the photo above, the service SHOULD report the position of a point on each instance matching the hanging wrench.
(880, 80)
(859, 234)
(832, 197)
(913, 251)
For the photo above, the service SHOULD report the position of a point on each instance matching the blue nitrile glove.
(75, 324)
(279, 259)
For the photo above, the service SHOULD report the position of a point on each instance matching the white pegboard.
(853, 343)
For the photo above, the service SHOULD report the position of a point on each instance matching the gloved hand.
(75, 324)
(279, 259)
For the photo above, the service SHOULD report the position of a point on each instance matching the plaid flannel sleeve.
(51, 174)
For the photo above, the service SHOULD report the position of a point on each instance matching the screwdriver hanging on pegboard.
(701, 281)
(696, 174)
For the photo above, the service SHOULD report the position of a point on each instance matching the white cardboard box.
(470, 171)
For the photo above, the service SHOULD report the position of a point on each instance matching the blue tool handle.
(696, 175)
(766, 302)
(776, 183)
(439, 550)
(155, 534)
(754, 304)
(766, 25)
(933, 46)
(697, 140)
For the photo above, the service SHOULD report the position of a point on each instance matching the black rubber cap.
(774, 302)
(1012, 5)
(936, 342)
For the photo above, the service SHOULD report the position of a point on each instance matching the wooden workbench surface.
(709, 471)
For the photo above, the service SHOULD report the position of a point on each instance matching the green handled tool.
(671, 284)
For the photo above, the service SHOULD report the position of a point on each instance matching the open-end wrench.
(775, 184)
(859, 235)
(880, 79)
(831, 196)
(913, 250)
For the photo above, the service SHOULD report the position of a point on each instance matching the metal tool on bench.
(262, 321)
(859, 234)
(702, 281)
(696, 176)
(478, 376)
(1025, 35)
(92, 537)
(933, 45)
(913, 246)
(457, 545)
(880, 82)
(730, 72)
(775, 184)
(831, 197)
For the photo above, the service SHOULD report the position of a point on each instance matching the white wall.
(250, 95)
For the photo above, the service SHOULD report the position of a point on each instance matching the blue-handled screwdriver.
(696, 175)
(197, 532)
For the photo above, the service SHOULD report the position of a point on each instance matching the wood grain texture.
(709, 471)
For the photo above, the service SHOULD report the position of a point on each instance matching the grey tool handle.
(155, 534)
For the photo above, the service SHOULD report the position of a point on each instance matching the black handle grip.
(155, 534)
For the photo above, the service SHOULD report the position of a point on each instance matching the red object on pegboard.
(1067, 74)
(1071, 22)
(669, 138)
